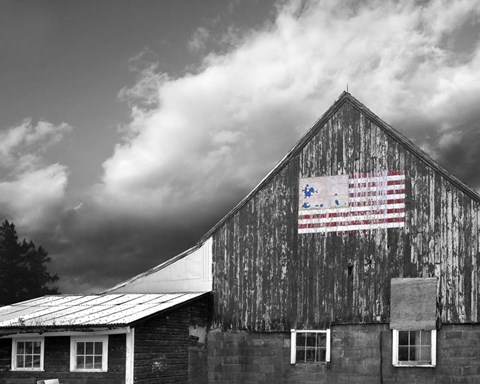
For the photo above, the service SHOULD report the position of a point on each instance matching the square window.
(310, 346)
(414, 348)
(89, 354)
(27, 354)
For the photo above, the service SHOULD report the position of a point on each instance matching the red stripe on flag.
(352, 223)
(350, 214)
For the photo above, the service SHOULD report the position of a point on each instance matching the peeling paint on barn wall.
(268, 277)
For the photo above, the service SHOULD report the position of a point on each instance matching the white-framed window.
(414, 348)
(27, 354)
(310, 346)
(89, 354)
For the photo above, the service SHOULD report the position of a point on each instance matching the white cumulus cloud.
(31, 191)
(220, 129)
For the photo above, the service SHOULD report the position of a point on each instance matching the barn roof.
(70, 311)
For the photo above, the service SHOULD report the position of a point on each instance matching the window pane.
(301, 355)
(300, 339)
(80, 348)
(402, 353)
(36, 361)
(88, 362)
(29, 347)
(28, 361)
(89, 348)
(98, 348)
(20, 347)
(98, 362)
(310, 355)
(426, 338)
(323, 355)
(322, 340)
(80, 362)
(425, 354)
(311, 339)
(414, 337)
(403, 338)
(412, 352)
(20, 361)
(37, 347)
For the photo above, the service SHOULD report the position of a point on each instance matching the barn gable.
(269, 276)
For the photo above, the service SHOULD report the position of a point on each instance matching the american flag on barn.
(355, 202)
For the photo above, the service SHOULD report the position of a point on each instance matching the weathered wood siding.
(165, 349)
(268, 277)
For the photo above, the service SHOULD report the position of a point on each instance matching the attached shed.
(105, 338)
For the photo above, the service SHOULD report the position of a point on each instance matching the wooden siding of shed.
(164, 351)
(267, 277)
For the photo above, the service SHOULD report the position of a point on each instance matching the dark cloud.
(94, 249)
(461, 155)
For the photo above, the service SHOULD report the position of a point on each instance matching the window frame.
(88, 339)
(402, 364)
(14, 360)
(293, 345)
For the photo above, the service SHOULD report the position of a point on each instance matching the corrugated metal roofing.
(89, 310)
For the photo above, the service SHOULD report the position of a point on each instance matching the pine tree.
(23, 268)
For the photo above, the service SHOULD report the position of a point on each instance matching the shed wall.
(171, 348)
(57, 363)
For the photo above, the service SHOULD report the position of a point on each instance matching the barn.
(356, 259)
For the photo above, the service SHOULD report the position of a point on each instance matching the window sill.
(88, 370)
(410, 365)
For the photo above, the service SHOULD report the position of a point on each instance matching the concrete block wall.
(360, 354)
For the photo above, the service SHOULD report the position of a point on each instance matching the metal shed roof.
(89, 310)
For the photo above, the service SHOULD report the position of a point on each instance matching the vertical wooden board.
(359, 127)
(431, 241)
(344, 308)
(381, 274)
(475, 256)
(460, 228)
(230, 269)
(218, 256)
(438, 244)
(349, 148)
(256, 271)
(422, 232)
(452, 261)
(467, 238)
(238, 262)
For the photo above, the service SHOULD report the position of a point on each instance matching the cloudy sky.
(128, 128)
